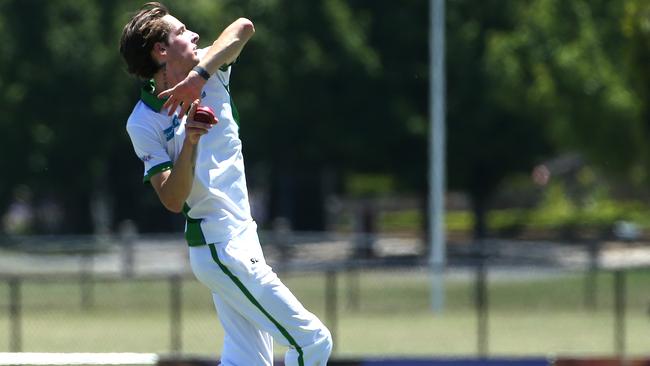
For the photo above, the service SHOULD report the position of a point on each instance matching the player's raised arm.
(228, 46)
(174, 186)
(224, 50)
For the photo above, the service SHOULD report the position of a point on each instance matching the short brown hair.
(140, 34)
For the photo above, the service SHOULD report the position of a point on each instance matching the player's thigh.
(267, 302)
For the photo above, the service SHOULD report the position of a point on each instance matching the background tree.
(567, 61)
(326, 89)
(490, 136)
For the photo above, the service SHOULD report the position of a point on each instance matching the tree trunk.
(479, 208)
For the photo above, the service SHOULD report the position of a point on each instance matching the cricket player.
(198, 169)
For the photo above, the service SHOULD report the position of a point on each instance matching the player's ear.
(159, 51)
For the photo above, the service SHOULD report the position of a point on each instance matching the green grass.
(390, 315)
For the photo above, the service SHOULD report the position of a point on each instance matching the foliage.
(569, 62)
(328, 90)
(488, 138)
(304, 86)
(546, 76)
(555, 212)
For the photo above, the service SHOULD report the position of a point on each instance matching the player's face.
(182, 44)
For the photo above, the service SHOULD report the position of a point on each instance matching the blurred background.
(547, 221)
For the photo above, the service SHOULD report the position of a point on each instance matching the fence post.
(86, 282)
(482, 302)
(15, 307)
(331, 303)
(619, 313)
(128, 234)
(591, 282)
(353, 289)
(175, 330)
(283, 239)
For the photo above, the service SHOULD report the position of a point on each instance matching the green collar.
(148, 98)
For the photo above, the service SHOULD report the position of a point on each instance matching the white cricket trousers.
(255, 307)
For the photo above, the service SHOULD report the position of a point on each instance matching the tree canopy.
(326, 89)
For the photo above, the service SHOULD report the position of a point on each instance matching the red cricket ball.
(205, 114)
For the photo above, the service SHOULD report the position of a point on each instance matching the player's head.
(153, 38)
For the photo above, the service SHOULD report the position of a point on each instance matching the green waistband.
(193, 232)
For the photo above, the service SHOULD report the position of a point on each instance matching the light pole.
(437, 253)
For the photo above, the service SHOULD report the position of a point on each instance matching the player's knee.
(324, 344)
(318, 352)
(314, 354)
(328, 342)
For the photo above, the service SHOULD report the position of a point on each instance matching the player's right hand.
(194, 130)
(182, 93)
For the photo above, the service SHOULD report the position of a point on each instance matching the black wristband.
(201, 71)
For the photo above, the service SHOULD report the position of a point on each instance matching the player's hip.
(237, 260)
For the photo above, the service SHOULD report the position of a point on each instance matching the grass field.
(390, 315)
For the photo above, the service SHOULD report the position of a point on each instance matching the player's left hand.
(183, 93)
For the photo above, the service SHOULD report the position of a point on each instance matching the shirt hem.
(222, 238)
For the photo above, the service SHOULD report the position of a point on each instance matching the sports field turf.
(529, 315)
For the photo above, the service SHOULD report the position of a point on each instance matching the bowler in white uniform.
(198, 169)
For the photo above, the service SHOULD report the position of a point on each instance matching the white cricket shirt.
(217, 208)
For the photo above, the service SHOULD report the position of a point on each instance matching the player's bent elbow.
(177, 210)
(169, 197)
(246, 27)
(174, 207)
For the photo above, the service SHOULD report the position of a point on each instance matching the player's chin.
(192, 58)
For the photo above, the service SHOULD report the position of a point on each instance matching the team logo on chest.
(169, 131)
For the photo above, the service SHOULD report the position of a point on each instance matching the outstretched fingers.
(193, 108)
(171, 104)
(183, 94)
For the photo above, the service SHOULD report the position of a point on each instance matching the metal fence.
(137, 294)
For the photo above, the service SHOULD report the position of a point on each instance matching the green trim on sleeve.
(193, 233)
(157, 169)
(253, 300)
